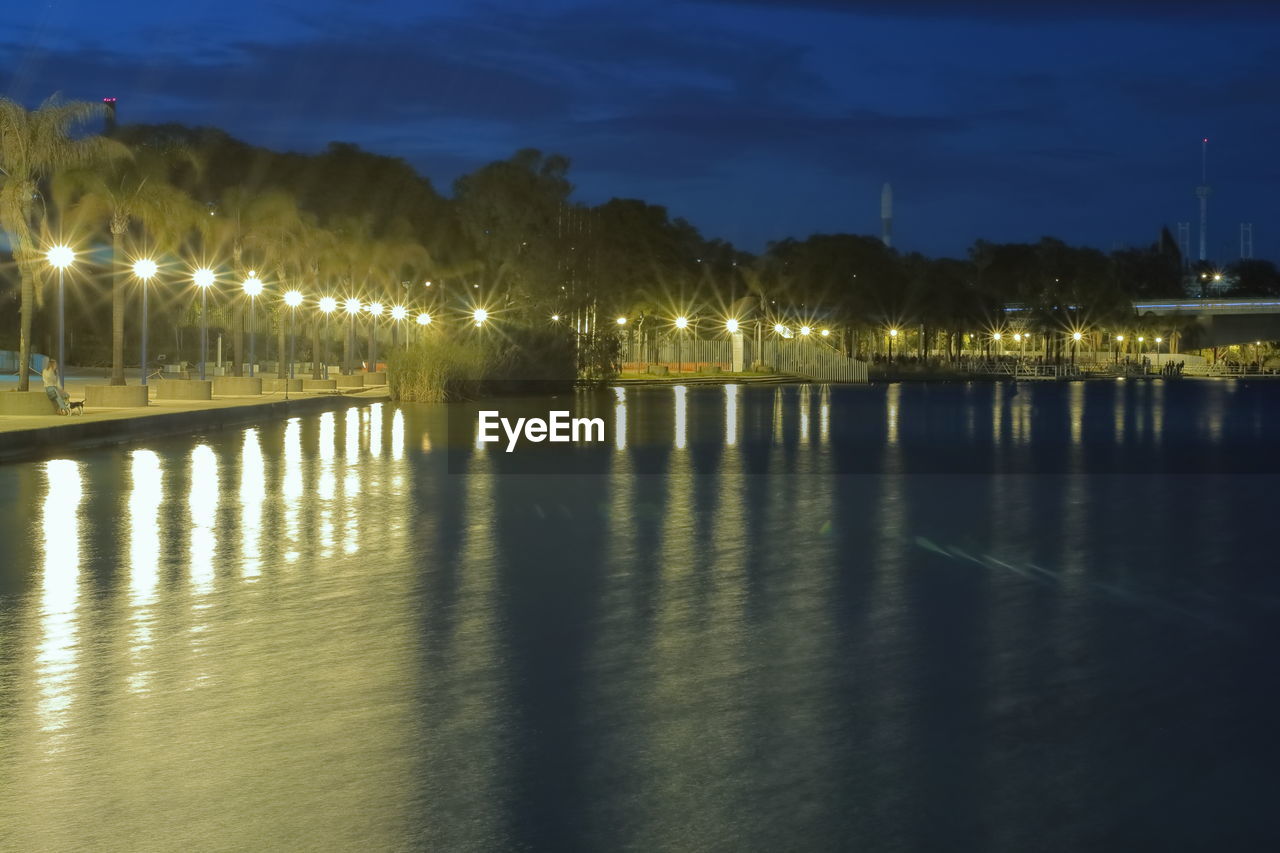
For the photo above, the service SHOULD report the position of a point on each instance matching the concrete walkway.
(78, 378)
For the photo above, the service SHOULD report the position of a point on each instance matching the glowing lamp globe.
(144, 268)
(293, 298)
(60, 256)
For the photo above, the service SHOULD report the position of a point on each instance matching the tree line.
(509, 238)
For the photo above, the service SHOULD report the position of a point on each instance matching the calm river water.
(932, 617)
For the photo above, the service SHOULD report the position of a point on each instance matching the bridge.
(1216, 322)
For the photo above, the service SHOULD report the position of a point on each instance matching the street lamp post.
(424, 320)
(144, 269)
(398, 313)
(1075, 341)
(375, 311)
(327, 306)
(893, 333)
(1116, 353)
(293, 299)
(682, 323)
(203, 278)
(1158, 342)
(352, 306)
(252, 287)
(61, 258)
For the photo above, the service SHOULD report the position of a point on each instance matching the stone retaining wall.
(115, 396)
(184, 389)
(237, 386)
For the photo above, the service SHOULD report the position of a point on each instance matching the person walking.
(50, 378)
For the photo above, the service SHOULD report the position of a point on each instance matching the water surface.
(755, 618)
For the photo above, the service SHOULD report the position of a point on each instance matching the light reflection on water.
(316, 634)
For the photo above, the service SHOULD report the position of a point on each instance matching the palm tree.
(33, 145)
(129, 190)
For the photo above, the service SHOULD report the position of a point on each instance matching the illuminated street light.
(371, 352)
(398, 313)
(893, 334)
(424, 319)
(826, 333)
(806, 330)
(144, 269)
(353, 307)
(479, 316)
(252, 286)
(203, 279)
(731, 326)
(555, 318)
(779, 328)
(61, 257)
(293, 299)
(682, 322)
(327, 306)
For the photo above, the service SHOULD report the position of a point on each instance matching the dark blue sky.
(754, 120)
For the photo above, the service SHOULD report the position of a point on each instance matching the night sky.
(754, 120)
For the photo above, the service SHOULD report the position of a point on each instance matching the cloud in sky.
(752, 119)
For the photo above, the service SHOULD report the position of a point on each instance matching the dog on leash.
(75, 407)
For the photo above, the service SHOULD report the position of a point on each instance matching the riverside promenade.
(40, 435)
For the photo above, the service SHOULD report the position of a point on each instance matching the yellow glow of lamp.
(1159, 340)
(293, 298)
(375, 308)
(893, 333)
(252, 285)
(621, 321)
(399, 312)
(424, 319)
(203, 277)
(479, 316)
(826, 333)
(682, 322)
(555, 318)
(1075, 336)
(805, 330)
(60, 257)
(731, 326)
(996, 336)
(144, 268)
(352, 306)
(328, 304)
(1119, 337)
(779, 328)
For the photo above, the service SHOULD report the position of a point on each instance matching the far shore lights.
(621, 321)
(806, 330)
(893, 333)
